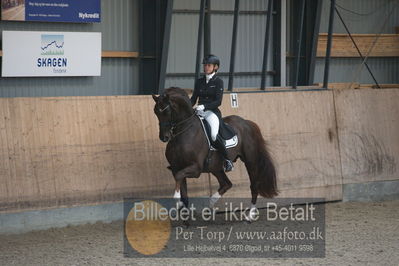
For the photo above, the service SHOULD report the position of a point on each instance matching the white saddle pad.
(230, 143)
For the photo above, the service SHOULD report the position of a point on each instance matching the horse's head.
(163, 111)
(170, 108)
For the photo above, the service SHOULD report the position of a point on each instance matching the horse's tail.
(263, 171)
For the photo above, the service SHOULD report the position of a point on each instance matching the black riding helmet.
(211, 59)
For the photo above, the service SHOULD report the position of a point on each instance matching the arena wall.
(68, 151)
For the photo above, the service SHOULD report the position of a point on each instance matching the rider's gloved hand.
(200, 108)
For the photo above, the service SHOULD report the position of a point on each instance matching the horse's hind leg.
(224, 185)
(254, 192)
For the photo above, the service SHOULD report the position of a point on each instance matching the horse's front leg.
(181, 195)
(177, 197)
(192, 171)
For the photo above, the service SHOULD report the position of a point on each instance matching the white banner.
(43, 54)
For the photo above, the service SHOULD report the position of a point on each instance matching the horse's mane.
(175, 91)
(180, 97)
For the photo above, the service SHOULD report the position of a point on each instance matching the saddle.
(225, 131)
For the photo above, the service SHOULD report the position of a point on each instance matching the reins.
(181, 122)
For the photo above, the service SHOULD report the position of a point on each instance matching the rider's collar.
(209, 77)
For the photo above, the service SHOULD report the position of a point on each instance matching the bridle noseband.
(167, 123)
(164, 108)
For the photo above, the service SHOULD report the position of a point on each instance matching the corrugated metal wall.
(370, 19)
(120, 33)
(119, 29)
(386, 70)
(250, 41)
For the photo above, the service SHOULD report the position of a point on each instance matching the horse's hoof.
(179, 204)
(251, 217)
(247, 220)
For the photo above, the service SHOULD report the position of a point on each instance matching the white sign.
(42, 54)
(234, 100)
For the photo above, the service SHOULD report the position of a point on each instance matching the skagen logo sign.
(52, 47)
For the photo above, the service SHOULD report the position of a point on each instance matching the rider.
(209, 90)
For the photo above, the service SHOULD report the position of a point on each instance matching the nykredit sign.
(83, 11)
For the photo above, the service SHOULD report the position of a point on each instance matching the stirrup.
(228, 166)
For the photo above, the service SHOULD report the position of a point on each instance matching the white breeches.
(213, 121)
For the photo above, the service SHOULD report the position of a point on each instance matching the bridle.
(172, 124)
(164, 108)
(166, 123)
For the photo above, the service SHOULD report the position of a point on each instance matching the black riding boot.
(220, 146)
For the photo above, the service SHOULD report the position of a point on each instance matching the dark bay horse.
(187, 148)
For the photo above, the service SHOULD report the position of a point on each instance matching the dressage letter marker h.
(234, 100)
